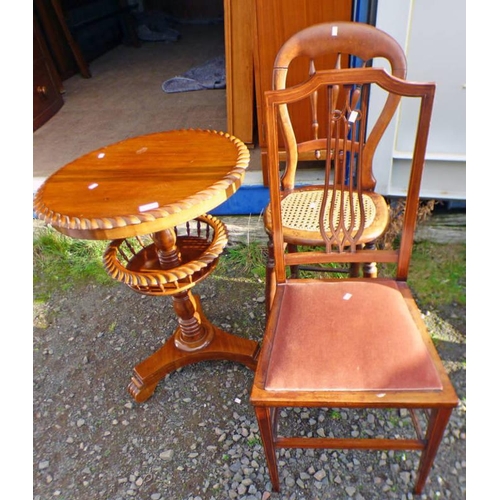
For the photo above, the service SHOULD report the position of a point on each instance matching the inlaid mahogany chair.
(355, 344)
(337, 45)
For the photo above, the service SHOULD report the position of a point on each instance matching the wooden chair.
(339, 45)
(343, 342)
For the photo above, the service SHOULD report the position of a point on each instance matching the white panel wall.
(432, 32)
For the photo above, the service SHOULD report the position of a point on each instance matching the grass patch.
(437, 273)
(254, 441)
(243, 259)
(60, 262)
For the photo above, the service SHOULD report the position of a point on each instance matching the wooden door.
(239, 18)
(275, 22)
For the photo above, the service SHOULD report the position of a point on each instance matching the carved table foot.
(224, 346)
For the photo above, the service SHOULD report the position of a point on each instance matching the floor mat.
(210, 75)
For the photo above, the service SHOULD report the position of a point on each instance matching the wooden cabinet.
(47, 97)
(275, 22)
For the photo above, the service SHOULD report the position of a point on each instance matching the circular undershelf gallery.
(135, 261)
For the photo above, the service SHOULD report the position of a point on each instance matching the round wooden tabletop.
(143, 184)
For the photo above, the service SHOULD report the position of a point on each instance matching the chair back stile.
(412, 199)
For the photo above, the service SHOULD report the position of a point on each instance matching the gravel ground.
(197, 438)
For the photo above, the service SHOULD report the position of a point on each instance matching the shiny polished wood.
(151, 185)
(143, 184)
(350, 343)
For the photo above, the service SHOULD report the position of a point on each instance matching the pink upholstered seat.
(329, 345)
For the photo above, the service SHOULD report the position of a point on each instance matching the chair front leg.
(435, 431)
(265, 420)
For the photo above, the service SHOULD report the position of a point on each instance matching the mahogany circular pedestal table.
(150, 195)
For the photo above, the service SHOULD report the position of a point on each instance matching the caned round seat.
(301, 215)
